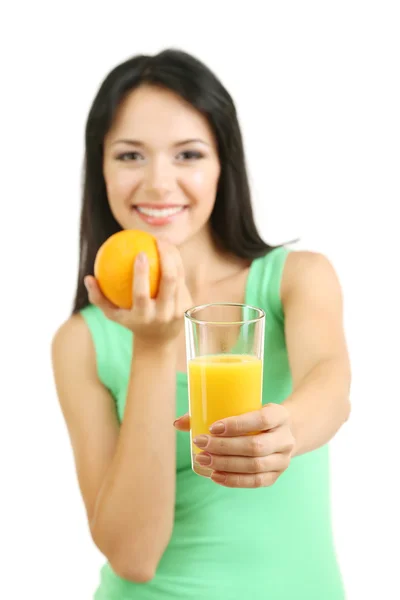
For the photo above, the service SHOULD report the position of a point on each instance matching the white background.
(316, 86)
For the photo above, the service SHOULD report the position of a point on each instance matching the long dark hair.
(232, 222)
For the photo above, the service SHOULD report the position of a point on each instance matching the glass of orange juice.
(224, 351)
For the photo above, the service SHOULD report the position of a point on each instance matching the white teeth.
(159, 212)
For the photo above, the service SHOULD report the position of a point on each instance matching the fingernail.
(201, 441)
(218, 477)
(87, 284)
(203, 459)
(141, 259)
(217, 427)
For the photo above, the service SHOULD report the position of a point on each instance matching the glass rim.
(192, 319)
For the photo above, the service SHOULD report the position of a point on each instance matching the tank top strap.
(264, 283)
(110, 340)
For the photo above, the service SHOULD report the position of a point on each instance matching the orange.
(114, 265)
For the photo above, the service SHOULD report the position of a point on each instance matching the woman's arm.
(126, 474)
(319, 404)
(319, 361)
(137, 499)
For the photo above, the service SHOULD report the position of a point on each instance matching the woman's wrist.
(165, 348)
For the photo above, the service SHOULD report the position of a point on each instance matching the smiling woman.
(164, 154)
(162, 212)
(161, 165)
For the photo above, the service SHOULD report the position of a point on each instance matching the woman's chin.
(177, 240)
(173, 235)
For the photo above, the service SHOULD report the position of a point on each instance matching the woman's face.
(161, 166)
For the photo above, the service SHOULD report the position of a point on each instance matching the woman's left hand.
(246, 461)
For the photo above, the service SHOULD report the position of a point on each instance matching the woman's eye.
(128, 156)
(191, 155)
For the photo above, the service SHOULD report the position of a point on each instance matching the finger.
(97, 298)
(261, 444)
(244, 480)
(141, 283)
(242, 464)
(183, 423)
(168, 283)
(268, 417)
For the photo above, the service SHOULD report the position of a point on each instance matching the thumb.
(183, 423)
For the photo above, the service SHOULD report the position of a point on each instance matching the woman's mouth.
(158, 215)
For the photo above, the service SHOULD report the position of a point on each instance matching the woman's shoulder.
(77, 324)
(79, 333)
(306, 269)
(283, 270)
(72, 350)
(87, 327)
(71, 335)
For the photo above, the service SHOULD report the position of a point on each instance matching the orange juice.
(222, 386)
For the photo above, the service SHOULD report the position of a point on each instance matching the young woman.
(164, 154)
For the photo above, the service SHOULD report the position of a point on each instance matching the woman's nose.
(159, 177)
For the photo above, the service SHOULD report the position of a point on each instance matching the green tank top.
(271, 543)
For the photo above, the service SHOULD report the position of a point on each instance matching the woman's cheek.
(122, 184)
(204, 182)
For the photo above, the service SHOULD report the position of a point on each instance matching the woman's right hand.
(159, 319)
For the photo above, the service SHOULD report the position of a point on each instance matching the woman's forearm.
(320, 405)
(134, 513)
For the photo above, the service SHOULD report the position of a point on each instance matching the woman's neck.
(204, 263)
